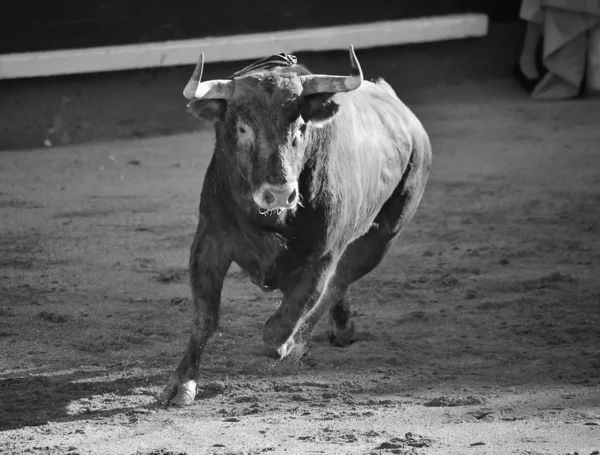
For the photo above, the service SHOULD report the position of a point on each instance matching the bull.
(310, 183)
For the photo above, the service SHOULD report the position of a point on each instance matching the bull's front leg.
(303, 304)
(209, 262)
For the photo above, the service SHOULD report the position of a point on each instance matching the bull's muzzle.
(276, 197)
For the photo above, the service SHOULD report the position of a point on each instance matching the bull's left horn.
(321, 83)
(190, 89)
(215, 89)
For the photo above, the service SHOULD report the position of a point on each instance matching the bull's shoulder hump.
(379, 98)
(381, 84)
(387, 115)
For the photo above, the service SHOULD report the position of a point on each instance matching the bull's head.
(264, 124)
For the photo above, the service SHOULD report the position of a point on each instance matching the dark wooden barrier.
(36, 25)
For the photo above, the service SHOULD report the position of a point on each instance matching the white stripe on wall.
(242, 47)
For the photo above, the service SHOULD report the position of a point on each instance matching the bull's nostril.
(292, 197)
(268, 197)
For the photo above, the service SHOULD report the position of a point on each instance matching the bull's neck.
(229, 187)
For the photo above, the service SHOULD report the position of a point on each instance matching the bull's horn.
(321, 83)
(216, 89)
(190, 89)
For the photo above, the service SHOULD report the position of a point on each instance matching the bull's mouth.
(279, 210)
(267, 212)
(277, 199)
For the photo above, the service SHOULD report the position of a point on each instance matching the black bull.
(310, 183)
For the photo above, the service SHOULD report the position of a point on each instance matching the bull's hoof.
(179, 394)
(286, 349)
(342, 338)
(293, 351)
(276, 333)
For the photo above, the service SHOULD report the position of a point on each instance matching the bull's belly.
(262, 276)
(273, 273)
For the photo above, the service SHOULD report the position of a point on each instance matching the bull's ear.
(210, 109)
(319, 109)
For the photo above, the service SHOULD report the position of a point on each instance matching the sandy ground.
(478, 334)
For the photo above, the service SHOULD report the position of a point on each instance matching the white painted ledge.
(242, 47)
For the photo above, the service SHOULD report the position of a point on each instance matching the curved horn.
(322, 83)
(216, 89)
(190, 89)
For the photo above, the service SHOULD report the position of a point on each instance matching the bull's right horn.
(215, 89)
(324, 83)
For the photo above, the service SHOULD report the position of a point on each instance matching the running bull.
(310, 183)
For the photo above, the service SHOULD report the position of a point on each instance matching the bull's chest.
(270, 265)
(259, 261)
(261, 274)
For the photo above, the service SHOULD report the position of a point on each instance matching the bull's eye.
(241, 129)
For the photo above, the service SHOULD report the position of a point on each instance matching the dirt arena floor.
(478, 334)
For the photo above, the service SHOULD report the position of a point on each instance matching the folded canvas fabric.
(566, 31)
(592, 78)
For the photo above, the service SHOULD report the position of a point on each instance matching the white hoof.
(286, 349)
(179, 394)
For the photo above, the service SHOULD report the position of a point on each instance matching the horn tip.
(356, 69)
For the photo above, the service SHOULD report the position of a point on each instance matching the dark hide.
(361, 160)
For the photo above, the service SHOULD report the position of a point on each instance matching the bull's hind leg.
(360, 258)
(208, 267)
(341, 325)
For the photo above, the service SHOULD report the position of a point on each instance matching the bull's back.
(374, 136)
